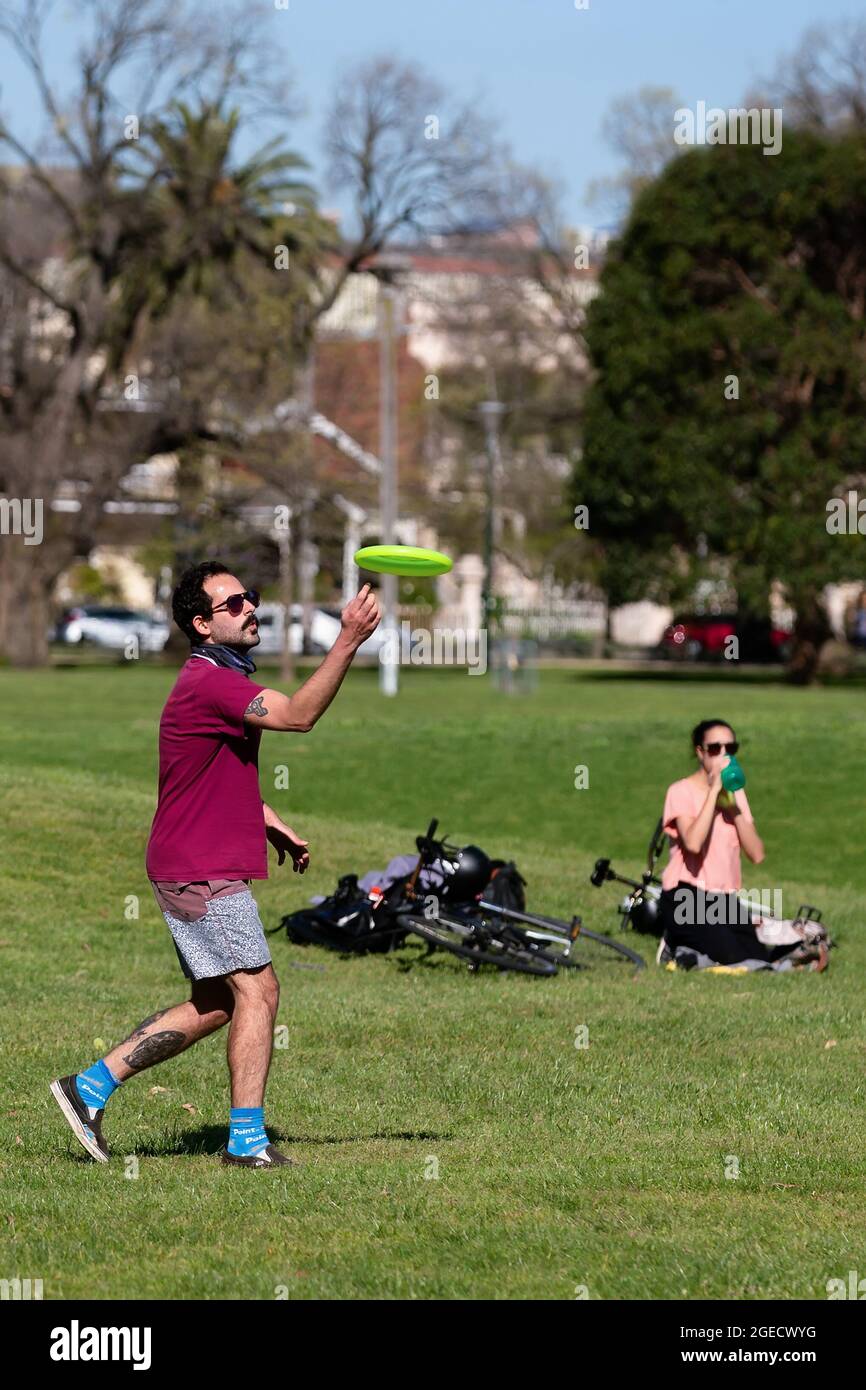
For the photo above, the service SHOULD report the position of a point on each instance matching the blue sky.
(544, 70)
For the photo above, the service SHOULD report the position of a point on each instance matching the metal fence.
(557, 619)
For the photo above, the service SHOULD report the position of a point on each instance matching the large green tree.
(729, 350)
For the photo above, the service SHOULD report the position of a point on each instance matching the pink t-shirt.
(717, 867)
(209, 821)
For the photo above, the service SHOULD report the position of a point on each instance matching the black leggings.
(727, 937)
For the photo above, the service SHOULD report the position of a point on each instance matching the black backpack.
(347, 922)
(506, 886)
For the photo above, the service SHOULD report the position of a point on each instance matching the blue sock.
(247, 1131)
(96, 1085)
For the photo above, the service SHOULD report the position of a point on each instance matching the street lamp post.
(287, 597)
(386, 271)
(491, 413)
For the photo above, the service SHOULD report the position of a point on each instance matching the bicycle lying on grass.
(486, 933)
(640, 908)
(444, 899)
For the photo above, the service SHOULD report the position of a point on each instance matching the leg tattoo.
(155, 1048)
(142, 1028)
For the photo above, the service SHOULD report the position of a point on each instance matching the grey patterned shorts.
(229, 937)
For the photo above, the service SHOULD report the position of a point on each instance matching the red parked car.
(702, 637)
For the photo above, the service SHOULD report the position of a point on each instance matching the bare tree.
(823, 82)
(412, 161)
(118, 246)
(639, 128)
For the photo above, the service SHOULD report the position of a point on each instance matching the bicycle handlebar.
(601, 873)
(425, 844)
(427, 848)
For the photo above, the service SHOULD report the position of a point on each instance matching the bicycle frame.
(533, 925)
(551, 929)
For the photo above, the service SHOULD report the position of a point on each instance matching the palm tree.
(174, 217)
(194, 215)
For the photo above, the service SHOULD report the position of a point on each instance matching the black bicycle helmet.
(644, 915)
(467, 873)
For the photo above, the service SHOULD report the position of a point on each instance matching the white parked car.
(324, 630)
(111, 627)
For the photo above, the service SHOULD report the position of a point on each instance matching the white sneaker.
(664, 953)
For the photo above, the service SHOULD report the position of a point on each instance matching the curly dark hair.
(190, 599)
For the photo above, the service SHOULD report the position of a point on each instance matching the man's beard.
(245, 638)
(234, 654)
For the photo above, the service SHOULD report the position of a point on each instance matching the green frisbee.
(402, 559)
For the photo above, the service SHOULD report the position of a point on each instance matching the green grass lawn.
(455, 1143)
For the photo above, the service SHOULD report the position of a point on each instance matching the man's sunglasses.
(714, 749)
(235, 602)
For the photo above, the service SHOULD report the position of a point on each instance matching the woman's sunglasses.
(235, 602)
(714, 749)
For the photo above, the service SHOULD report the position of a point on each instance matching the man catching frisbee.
(207, 843)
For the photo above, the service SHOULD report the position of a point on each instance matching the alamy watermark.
(846, 516)
(18, 1288)
(77, 1343)
(704, 908)
(853, 1287)
(736, 126)
(443, 646)
(22, 516)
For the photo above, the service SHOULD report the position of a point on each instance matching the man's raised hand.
(270, 709)
(361, 616)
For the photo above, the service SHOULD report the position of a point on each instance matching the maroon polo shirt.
(209, 822)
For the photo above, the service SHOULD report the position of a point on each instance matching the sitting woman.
(699, 907)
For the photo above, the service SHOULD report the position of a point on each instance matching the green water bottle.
(733, 779)
(733, 776)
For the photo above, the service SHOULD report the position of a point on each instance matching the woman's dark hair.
(700, 730)
(190, 599)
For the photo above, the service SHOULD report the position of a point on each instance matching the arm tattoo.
(155, 1048)
(256, 707)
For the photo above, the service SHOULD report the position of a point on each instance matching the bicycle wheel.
(556, 949)
(580, 948)
(589, 951)
(477, 947)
